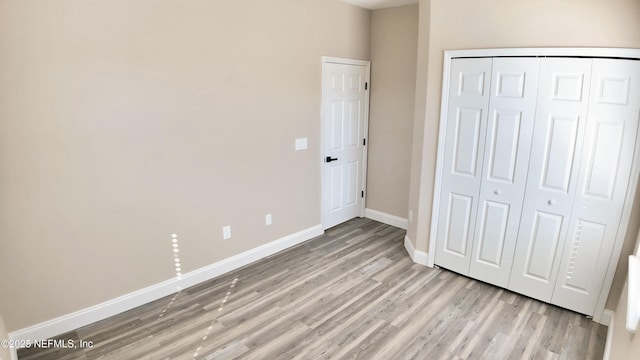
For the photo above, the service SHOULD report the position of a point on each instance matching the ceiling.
(380, 4)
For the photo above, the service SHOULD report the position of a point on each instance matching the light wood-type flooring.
(352, 293)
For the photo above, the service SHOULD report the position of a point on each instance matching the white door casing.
(462, 166)
(345, 112)
(507, 147)
(563, 96)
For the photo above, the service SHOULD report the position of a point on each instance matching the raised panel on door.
(605, 168)
(560, 120)
(507, 146)
(464, 152)
(466, 140)
(458, 224)
(336, 179)
(353, 183)
(543, 242)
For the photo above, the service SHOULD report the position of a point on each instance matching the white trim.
(129, 301)
(418, 257)
(388, 219)
(365, 149)
(543, 52)
(633, 295)
(610, 316)
(365, 135)
(607, 317)
(346, 61)
(635, 170)
(440, 158)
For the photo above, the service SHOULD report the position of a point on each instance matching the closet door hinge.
(366, 86)
(362, 193)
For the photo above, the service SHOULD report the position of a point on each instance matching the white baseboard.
(418, 257)
(606, 318)
(129, 301)
(610, 317)
(386, 218)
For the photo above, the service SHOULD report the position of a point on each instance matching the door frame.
(344, 61)
(631, 54)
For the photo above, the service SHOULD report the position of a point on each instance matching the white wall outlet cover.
(301, 143)
(267, 219)
(226, 232)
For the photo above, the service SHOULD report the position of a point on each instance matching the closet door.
(464, 151)
(553, 168)
(604, 174)
(514, 83)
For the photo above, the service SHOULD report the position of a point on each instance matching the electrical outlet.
(267, 219)
(410, 216)
(226, 232)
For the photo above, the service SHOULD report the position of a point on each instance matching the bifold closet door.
(561, 113)
(462, 163)
(537, 158)
(512, 104)
(605, 169)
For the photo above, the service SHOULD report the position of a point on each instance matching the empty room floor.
(352, 293)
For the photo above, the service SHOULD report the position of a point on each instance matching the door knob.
(552, 202)
(497, 192)
(330, 159)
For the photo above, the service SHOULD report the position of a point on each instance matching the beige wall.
(473, 24)
(4, 351)
(126, 121)
(394, 40)
(623, 344)
(416, 194)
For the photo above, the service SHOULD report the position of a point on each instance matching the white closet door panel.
(492, 235)
(604, 174)
(458, 224)
(561, 113)
(464, 152)
(514, 83)
(465, 143)
(560, 141)
(544, 239)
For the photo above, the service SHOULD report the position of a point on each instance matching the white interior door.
(512, 104)
(462, 166)
(612, 124)
(563, 96)
(344, 127)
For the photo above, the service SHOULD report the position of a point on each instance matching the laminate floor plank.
(352, 293)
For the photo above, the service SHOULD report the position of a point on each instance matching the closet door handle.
(552, 202)
(497, 192)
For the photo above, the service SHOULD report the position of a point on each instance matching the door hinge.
(366, 85)
(364, 142)
(362, 194)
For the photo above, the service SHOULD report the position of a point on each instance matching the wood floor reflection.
(352, 293)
